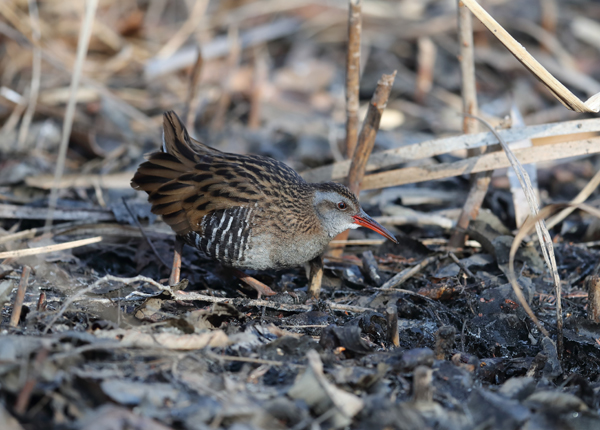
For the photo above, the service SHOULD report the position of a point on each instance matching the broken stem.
(20, 297)
(353, 74)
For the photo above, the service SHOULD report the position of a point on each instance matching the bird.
(244, 211)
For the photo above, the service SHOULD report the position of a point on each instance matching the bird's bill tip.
(370, 223)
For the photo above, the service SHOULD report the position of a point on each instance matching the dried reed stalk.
(20, 297)
(233, 60)
(189, 110)
(353, 74)
(562, 93)
(366, 141)
(480, 181)
(434, 147)
(425, 67)
(352, 92)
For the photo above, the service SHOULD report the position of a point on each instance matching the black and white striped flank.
(225, 234)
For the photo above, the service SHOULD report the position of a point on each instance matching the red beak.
(366, 221)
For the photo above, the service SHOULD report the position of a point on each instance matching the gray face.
(336, 211)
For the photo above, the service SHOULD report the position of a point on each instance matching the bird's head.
(338, 209)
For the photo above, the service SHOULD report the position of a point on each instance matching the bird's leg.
(315, 277)
(254, 283)
(176, 269)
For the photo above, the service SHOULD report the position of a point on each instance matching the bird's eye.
(342, 206)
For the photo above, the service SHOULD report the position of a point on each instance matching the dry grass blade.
(109, 181)
(562, 93)
(82, 47)
(524, 231)
(580, 198)
(50, 248)
(542, 233)
(139, 226)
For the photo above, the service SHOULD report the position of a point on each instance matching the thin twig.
(82, 47)
(32, 232)
(366, 139)
(185, 296)
(107, 278)
(219, 357)
(357, 242)
(50, 248)
(481, 181)
(189, 110)
(137, 222)
(566, 97)
(407, 273)
(461, 265)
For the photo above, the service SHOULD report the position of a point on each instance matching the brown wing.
(190, 179)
